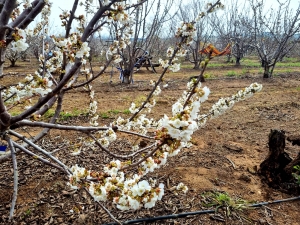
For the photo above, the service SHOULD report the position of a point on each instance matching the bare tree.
(231, 27)
(13, 56)
(204, 31)
(145, 34)
(274, 32)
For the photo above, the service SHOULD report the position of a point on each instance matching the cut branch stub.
(276, 160)
(276, 170)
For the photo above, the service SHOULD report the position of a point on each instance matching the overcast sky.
(58, 5)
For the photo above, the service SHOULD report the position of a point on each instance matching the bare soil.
(225, 157)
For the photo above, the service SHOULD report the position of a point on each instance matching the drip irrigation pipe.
(181, 215)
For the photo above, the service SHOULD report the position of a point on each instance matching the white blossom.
(19, 46)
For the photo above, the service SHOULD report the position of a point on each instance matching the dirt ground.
(225, 157)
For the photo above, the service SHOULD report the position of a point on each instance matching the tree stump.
(276, 170)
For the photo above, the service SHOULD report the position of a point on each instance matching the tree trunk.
(276, 170)
(267, 73)
(238, 61)
(228, 58)
(125, 76)
(13, 63)
(196, 65)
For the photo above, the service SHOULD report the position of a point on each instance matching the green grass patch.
(223, 200)
(114, 111)
(245, 71)
(50, 113)
(14, 113)
(126, 111)
(296, 175)
(287, 64)
(64, 115)
(231, 74)
(104, 115)
(250, 62)
(208, 75)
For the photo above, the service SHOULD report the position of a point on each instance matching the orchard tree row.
(249, 27)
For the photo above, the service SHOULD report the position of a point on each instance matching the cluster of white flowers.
(170, 52)
(164, 63)
(115, 47)
(127, 193)
(183, 122)
(173, 65)
(157, 91)
(83, 51)
(93, 108)
(42, 25)
(35, 85)
(182, 187)
(106, 137)
(133, 108)
(150, 104)
(172, 134)
(186, 31)
(77, 174)
(140, 124)
(69, 46)
(226, 103)
(19, 44)
(119, 14)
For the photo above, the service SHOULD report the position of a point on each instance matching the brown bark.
(276, 170)
(294, 139)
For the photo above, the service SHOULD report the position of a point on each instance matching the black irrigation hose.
(181, 215)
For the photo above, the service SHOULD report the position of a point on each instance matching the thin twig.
(143, 159)
(36, 147)
(105, 209)
(16, 177)
(45, 161)
(136, 134)
(230, 162)
(119, 156)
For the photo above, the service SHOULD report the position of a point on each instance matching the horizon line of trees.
(271, 34)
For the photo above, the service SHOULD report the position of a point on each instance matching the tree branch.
(5, 16)
(36, 147)
(58, 126)
(143, 159)
(46, 98)
(72, 17)
(28, 15)
(16, 176)
(119, 156)
(45, 161)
